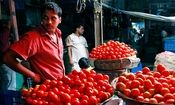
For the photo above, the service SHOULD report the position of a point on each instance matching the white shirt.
(79, 45)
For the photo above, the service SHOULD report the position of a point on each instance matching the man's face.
(50, 21)
(80, 30)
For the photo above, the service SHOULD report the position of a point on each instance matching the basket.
(119, 64)
(130, 101)
(10, 97)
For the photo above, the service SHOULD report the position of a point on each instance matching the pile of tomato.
(112, 50)
(155, 87)
(76, 88)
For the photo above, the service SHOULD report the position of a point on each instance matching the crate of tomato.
(147, 87)
(114, 55)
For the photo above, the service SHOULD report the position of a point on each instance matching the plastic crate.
(10, 97)
(169, 45)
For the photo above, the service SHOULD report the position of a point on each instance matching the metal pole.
(0, 11)
(101, 21)
(13, 18)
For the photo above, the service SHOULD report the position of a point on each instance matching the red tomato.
(165, 73)
(147, 94)
(84, 102)
(148, 84)
(158, 86)
(120, 86)
(157, 74)
(153, 101)
(168, 96)
(25, 92)
(158, 97)
(75, 101)
(170, 101)
(140, 98)
(43, 87)
(160, 68)
(93, 100)
(134, 84)
(131, 76)
(145, 70)
(135, 92)
(127, 92)
(121, 79)
(65, 97)
(164, 91)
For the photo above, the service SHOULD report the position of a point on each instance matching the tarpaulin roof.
(143, 15)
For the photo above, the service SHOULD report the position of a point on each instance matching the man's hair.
(83, 63)
(77, 25)
(51, 6)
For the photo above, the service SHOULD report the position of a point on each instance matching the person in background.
(85, 64)
(77, 46)
(42, 47)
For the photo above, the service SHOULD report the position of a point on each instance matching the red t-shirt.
(44, 55)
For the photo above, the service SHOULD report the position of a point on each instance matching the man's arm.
(70, 55)
(10, 58)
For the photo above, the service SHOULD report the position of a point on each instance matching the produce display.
(146, 86)
(76, 88)
(112, 50)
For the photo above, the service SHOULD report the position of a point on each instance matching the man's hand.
(36, 78)
(71, 62)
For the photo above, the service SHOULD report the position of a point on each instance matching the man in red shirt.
(42, 47)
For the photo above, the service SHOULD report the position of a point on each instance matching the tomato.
(120, 86)
(151, 91)
(93, 100)
(99, 76)
(121, 79)
(145, 70)
(151, 78)
(74, 72)
(103, 95)
(160, 68)
(47, 82)
(84, 102)
(165, 73)
(140, 76)
(131, 76)
(168, 96)
(148, 84)
(135, 92)
(153, 101)
(156, 74)
(158, 86)
(140, 98)
(53, 83)
(170, 101)
(75, 101)
(82, 75)
(158, 97)
(164, 91)
(140, 81)
(147, 94)
(56, 90)
(65, 97)
(43, 87)
(172, 89)
(134, 84)
(127, 92)
(146, 100)
(40, 93)
(25, 92)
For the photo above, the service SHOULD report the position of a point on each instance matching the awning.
(143, 15)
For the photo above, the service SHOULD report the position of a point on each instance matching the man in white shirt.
(77, 46)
